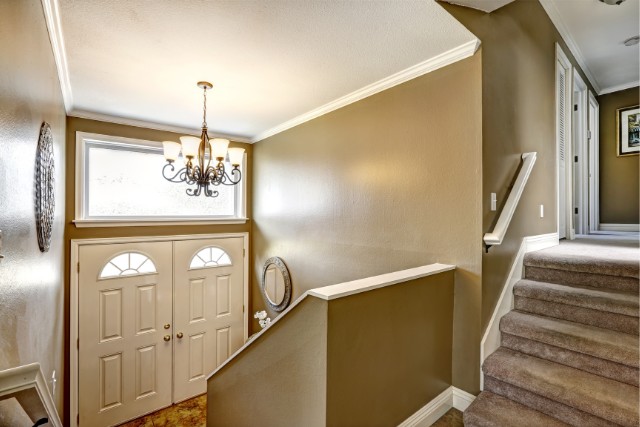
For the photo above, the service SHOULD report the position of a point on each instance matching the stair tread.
(602, 343)
(593, 394)
(604, 260)
(597, 299)
(490, 409)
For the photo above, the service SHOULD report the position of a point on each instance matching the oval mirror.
(276, 284)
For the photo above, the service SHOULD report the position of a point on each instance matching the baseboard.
(491, 338)
(629, 228)
(452, 397)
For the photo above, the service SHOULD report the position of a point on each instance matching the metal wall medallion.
(276, 284)
(44, 197)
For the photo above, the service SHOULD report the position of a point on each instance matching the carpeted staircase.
(569, 353)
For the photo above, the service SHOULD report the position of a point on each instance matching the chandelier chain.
(204, 110)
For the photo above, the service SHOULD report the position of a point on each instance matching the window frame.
(84, 139)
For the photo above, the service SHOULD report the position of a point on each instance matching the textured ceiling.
(483, 5)
(269, 61)
(597, 32)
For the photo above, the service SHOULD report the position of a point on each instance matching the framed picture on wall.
(628, 130)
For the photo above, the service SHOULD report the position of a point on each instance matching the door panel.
(208, 309)
(124, 361)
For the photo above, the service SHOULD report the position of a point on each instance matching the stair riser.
(565, 413)
(576, 278)
(586, 316)
(595, 365)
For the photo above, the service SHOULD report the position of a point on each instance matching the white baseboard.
(628, 228)
(491, 339)
(452, 397)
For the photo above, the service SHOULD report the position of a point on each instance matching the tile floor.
(192, 413)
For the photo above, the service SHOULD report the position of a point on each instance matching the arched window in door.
(210, 257)
(128, 264)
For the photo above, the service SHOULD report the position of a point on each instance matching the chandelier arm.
(231, 180)
(168, 169)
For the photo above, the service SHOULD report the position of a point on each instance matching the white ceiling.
(483, 5)
(270, 61)
(595, 33)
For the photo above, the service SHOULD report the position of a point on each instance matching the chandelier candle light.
(198, 155)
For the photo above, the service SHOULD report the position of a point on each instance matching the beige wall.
(619, 179)
(370, 359)
(279, 380)
(82, 125)
(31, 294)
(387, 183)
(518, 115)
(389, 351)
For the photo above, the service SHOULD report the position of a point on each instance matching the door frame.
(74, 297)
(594, 164)
(580, 169)
(562, 62)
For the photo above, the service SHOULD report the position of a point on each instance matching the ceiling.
(274, 64)
(595, 33)
(483, 5)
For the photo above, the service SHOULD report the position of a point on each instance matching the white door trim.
(594, 165)
(580, 188)
(73, 295)
(563, 62)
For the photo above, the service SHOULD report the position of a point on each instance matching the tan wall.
(518, 115)
(31, 294)
(389, 351)
(82, 125)
(280, 380)
(387, 183)
(619, 179)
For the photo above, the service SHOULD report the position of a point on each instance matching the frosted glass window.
(123, 180)
(210, 257)
(128, 264)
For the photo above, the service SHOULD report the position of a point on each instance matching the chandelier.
(204, 159)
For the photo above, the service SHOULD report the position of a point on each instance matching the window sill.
(90, 223)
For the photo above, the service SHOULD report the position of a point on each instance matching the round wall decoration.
(45, 197)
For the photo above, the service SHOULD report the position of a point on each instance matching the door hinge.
(243, 308)
(575, 210)
(575, 159)
(588, 134)
(243, 252)
(575, 107)
(78, 419)
(78, 267)
(78, 343)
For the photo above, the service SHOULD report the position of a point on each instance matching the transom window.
(120, 180)
(128, 264)
(210, 257)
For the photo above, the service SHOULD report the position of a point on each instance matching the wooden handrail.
(497, 235)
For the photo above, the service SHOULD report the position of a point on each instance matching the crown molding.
(456, 54)
(554, 14)
(617, 88)
(52, 18)
(81, 114)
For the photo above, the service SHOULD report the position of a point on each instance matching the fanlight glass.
(128, 264)
(210, 257)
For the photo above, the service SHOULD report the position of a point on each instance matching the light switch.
(494, 201)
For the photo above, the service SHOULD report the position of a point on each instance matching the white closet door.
(208, 309)
(125, 346)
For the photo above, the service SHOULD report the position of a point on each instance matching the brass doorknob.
(167, 325)
(167, 338)
(179, 335)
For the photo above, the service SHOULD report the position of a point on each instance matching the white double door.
(155, 318)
